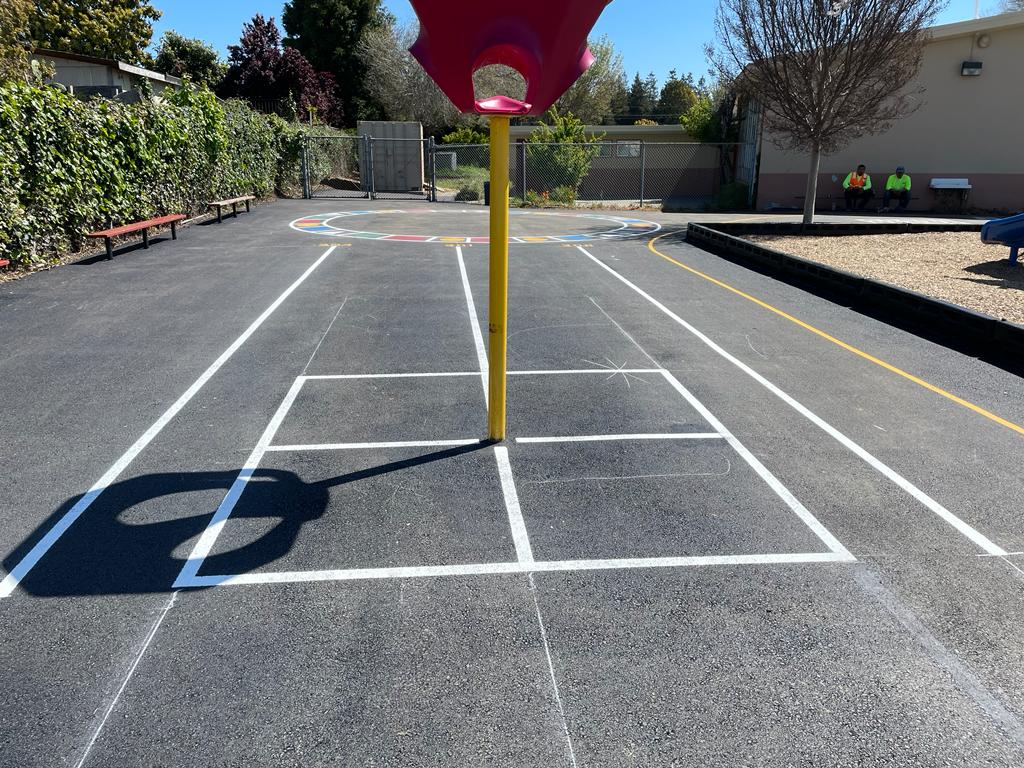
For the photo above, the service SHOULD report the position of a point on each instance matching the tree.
(14, 15)
(111, 29)
(259, 69)
(824, 71)
(592, 97)
(182, 56)
(560, 154)
(643, 97)
(329, 33)
(677, 96)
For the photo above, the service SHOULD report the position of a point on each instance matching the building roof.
(984, 24)
(121, 66)
(613, 131)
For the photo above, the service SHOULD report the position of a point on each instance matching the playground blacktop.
(248, 517)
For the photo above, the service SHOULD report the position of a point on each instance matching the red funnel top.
(544, 40)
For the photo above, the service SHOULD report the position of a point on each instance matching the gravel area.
(954, 266)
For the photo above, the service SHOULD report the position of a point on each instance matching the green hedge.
(68, 166)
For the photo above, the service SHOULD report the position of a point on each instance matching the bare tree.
(825, 72)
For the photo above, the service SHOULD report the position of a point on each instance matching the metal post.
(307, 189)
(372, 189)
(498, 315)
(432, 149)
(522, 169)
(643, 172)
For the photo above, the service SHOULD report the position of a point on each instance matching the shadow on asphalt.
(106, 552)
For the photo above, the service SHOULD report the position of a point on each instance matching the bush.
(466, 135)
(560, 155)
(469, 194)
(68, 166)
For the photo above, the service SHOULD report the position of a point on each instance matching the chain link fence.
(621, 174)
(332, 166)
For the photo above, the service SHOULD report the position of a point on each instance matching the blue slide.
(1008, 231)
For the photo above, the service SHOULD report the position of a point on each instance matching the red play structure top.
(544, 40)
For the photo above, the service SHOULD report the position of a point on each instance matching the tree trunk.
(811, 193)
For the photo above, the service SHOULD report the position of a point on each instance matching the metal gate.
(332, 166)
(368, 168)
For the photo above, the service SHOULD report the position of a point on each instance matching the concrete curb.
(997, 341)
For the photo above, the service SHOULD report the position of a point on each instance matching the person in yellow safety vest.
(857, 189)
(897, 186)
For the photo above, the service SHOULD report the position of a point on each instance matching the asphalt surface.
(767, 598)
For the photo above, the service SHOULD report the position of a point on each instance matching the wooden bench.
(143, 226)
(233, 202)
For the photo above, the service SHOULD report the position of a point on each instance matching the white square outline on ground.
(189, 576)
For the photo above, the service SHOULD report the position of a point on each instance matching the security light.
(971, 69)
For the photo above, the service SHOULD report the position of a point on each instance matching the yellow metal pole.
(498, 316)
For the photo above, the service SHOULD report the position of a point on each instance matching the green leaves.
(68, 167)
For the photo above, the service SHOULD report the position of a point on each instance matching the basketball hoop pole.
(498, 311)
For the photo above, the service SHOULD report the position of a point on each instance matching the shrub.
(560, 155)
(69, 166)
(466, 135)
(469, 194)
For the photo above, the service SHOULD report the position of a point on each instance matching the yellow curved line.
(848, 347)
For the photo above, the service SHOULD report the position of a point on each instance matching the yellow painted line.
(848, 347)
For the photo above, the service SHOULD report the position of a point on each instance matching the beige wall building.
(967, 127)
(87, 75)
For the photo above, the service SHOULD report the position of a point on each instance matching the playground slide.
(1008, 231)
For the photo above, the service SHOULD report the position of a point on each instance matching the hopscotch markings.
(374, 446)
(205, 544)
(971, 533)
(515, 515)
(511, 568)
(27, 563)
(773, 482)
(613, 438)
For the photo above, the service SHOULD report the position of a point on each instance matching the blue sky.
(653, 35)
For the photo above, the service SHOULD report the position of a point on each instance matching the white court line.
(605, 371)
(454, 374)
(478, 337)
(612, 438)
(21, 569)
(964, 528)
(205, 544)
(765, 474)
(373, 446)
(498, 569)
(515, 514)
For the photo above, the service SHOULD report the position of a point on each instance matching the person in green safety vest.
(857, 189)
(897, 186)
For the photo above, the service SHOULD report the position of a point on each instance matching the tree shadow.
(1001, 274)
(135, 538)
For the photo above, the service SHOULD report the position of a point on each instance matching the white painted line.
(453, 374)
(373, 446)
(478, 337)
(21, 569)
(127, 678)
(983, 542)
(515, 515)
(605, 371)
(612, 438)
(499, 569)
(551, 671)
(205, 544)
(765, 474)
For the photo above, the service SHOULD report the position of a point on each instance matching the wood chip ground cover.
(953, 266)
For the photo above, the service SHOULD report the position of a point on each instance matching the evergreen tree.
(182, 56)
(329, 33)
(677, 96)
(14, 15)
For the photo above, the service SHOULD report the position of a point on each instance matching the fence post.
(643, 172)
(371, 189)
(307, 188)
(522, 169)
(432, 153)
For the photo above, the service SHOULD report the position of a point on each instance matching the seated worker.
(897, 186)
(857, 189)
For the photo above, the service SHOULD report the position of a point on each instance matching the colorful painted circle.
(334, 225)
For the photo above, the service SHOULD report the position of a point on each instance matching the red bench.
(143, 226)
